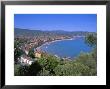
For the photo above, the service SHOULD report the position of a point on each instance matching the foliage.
(17, 51)
(34, 69)
(52, 62)
(16, 69)
(94, 53)
(75, 69)
(86, 59)
(91, 40)
(84, 65)
(44, 72)
(22, 71)
(26, 70)
(31, 53)
(42, 62)
(49, 63)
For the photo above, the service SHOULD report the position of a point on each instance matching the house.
(38, 53)
(24, 60)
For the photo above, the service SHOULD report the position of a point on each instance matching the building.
(24, 60)
(38, 53)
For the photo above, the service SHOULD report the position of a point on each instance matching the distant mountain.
(27, 32)
(60, 31)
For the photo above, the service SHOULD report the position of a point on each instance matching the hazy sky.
(68, 22)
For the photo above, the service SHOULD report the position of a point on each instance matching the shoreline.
(48, 43)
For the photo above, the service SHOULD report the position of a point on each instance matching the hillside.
(27, 32)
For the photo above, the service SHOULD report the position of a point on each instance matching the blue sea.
(67, 48)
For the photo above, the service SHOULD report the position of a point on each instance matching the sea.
(70, 48)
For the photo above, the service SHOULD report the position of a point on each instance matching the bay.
(67, 48)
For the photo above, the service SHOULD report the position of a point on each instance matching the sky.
(50, 22)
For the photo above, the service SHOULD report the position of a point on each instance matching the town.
(27, 42)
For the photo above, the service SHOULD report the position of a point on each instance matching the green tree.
(43, 62)
(87, 59)
(72, 69)
(44, 72)
(94, 53)
(49, 62)
(16, 69)
(52, 62)
(22, 71)
(34, 69)
(28, 70)
(31, 53)
(91, 40)
(17, 51)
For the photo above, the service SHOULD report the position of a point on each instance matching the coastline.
(48, 43)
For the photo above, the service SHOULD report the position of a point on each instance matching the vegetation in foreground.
(83, 65)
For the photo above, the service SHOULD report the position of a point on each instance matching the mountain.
(27, 32)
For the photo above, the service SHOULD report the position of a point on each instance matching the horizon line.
(51, 30)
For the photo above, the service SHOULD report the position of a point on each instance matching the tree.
(31, 53)
(44, 72)
(34, 69)
(52, 62)
(94, 54)
(17, 51)
(28, 70)
(22, 71)
(48, 63)
(88, 60)
(91, 40)
(16, 69)
(72, 69)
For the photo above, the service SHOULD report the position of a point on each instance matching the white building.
(25, 60)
